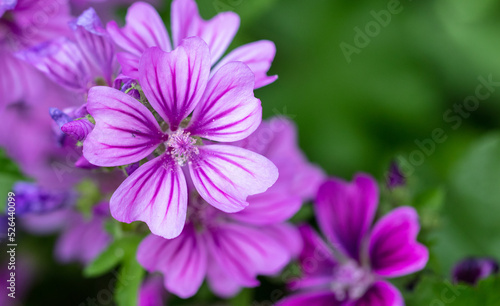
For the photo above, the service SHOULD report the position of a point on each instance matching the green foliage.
(436, 292)
(9, 174)
(89, 195)
(130, 274)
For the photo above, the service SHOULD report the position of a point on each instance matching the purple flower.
(230, 250)
(395, 177)
(82, 240)
(223, 109)
(32, 198)
(152, 292)
(145, 28)
(351, 270)
(23, 24)
(471, 270)
(76, 65)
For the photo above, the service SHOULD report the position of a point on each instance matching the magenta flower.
(351, 270)
(223, 109)
(83, 240)
(152, 292)
(79, 64)
(145, 28)
(230, 250)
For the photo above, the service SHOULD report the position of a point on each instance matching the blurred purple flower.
(152, 292)
(230, 250)
(80, 63)
(353, 272)
(82, 240)
(395, 177)
(471, 270)
(32, 198)
(23, 24)
(145, 28)
(223, 109)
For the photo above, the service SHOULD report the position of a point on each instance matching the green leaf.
(434, 291)
(89, 195)
(116, 252)
(303, 215)
(9, 174)
(470, 225)
(130, 275)
(243, 298)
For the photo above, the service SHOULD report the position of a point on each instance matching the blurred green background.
(395, 91)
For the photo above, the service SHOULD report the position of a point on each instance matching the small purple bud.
(31, 198)
(127, 88)
(471, 270)
(131, 168)
(59, 116)
(395, 177)
(78, 129)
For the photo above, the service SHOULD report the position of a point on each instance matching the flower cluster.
(166, 130)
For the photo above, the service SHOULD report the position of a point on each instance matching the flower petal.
(258, 56)
(129, 64)
(269, 207)
(144, 28)
(62, 61)
(156, 193)
(174, 81)
(228, 110)
(217, 32)
(316, 260)
(381, 294)
(95, 44)
(16, 73)
(182, 261)
(152, 292)
(244, 252)
(345, 211)
(316, 298)
(125, 131)
(394, 250)
(225, 176)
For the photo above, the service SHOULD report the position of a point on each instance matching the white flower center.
(182, 147)
(351, 281)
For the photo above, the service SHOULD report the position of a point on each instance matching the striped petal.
(125, 131)
(244, 252)
(228, 110)
(156, 193)
(346, 210)
(144, 28)
(217, 32)
(226, 175)
(258, 56)
(129, 64)
(394, 250)
(182, 261)
(95, 44)
(62, 61)
(174, 81)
